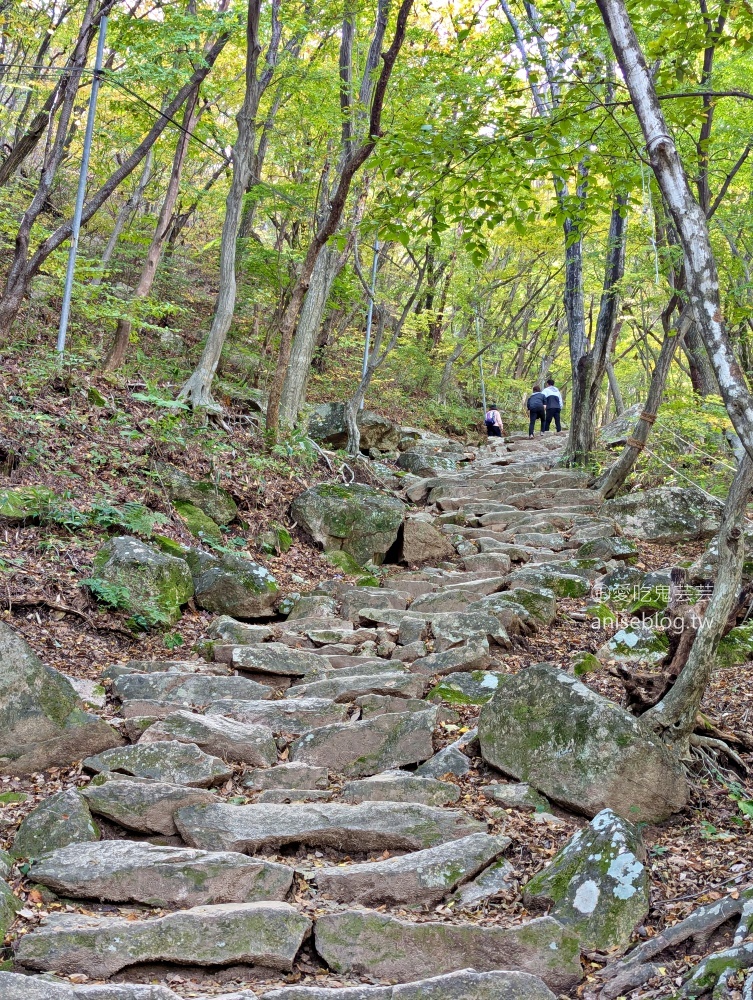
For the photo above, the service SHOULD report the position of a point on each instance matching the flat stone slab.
(225, 738)
(187, 689)
(515, 796)
(287, 775)
(267, 934)
(348, 688)
(465, 985)
(171, 761)
(14, 986)
(492, 881)
(472, 656)
(369, 826)
(368, 943)
(120, 871)
(142, 805)
(421, 878)
(273, 658)
(381, 742)
(288, 715)
(401, 786)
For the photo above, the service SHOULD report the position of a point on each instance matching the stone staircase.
(300, 794)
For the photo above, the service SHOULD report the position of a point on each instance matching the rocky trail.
(371, 797)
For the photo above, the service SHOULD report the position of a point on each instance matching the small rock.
(401, 786)
(64, 818)
(515, 796)
(358, 749)
(422, 543)
(228, 630)
(496, 879)
(422, 878)
(140, 804)
(474, 688)
(171, 761)
(288, 775)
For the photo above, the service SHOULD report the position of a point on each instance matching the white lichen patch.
(586, 897)
(626, 870)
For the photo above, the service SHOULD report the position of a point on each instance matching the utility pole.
(76, 225)
(480, 363)
(370, 312)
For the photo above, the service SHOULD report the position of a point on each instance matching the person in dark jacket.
(553, 405)
(536, 404)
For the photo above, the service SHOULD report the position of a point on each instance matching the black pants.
(535, 415)
(552, 415)
(494, 432)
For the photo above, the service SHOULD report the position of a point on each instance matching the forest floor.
(87, 452)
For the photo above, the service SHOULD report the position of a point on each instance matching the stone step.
(140, 804)
(186, 690)
(370, 826)
(422, 878)
(120, 871)
(346, 689)
(369, 943)
(292, 716)
(168, 760)
(225, 738)
(265, 934)
(465, 985)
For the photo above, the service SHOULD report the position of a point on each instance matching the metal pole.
(481, 364)
(370, 313)
(76, 225)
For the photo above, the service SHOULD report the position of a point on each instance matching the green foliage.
(112, 595)
(133, 518)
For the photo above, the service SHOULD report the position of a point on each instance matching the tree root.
(704, 744)
(636, 968)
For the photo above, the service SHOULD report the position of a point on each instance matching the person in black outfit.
(536, 404)
(553, 405)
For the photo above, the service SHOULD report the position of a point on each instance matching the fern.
(132, 517)
(112, 595)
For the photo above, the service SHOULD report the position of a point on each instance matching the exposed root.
(637, 967)
(197, 392)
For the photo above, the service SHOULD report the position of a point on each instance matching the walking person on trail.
(493, 422)
(553, 399)
(536, 404)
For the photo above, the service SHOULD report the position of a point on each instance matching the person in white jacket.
(553, 404)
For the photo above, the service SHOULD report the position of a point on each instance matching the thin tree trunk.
(352, 165)
(700, 266)
(675, 715)
(118, 348)
(129, 207)
(701, 371)
(444, 382)
(614, 385)
(198, 388)
(589, 365)
(614, 478)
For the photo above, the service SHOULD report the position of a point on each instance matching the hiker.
(536, 404)
(493, 422)
(553, 399)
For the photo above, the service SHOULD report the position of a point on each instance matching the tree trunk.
(614, 478)
(116, 354)
(198, 388)
(589, 365)
(675, 715)
(702, 279)
(130, 206)
(445, 381)
(619, 405)
(701, 372)
(327, 268)
(353, 163)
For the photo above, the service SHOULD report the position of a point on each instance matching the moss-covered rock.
(232, 585)
(560, 582)
(64, 818)
(665, 514)
(635, 644)
(9, 906)
(585, 663)
(42, 719)
(214, 501)
(545, 727)
(608, 548)
(362, 521)
(151, 583)
(596, 885)
(197, 521)
(475, 687)
(167, 760)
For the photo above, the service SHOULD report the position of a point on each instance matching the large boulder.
(326, 424)
(596, 885)
(579, 749)
(42, 720)
(361, 521)
(665, 514)
(617, 431)
(151, 584)
(215, 502)
(63, 818)
(232, 585)
(423, 543)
